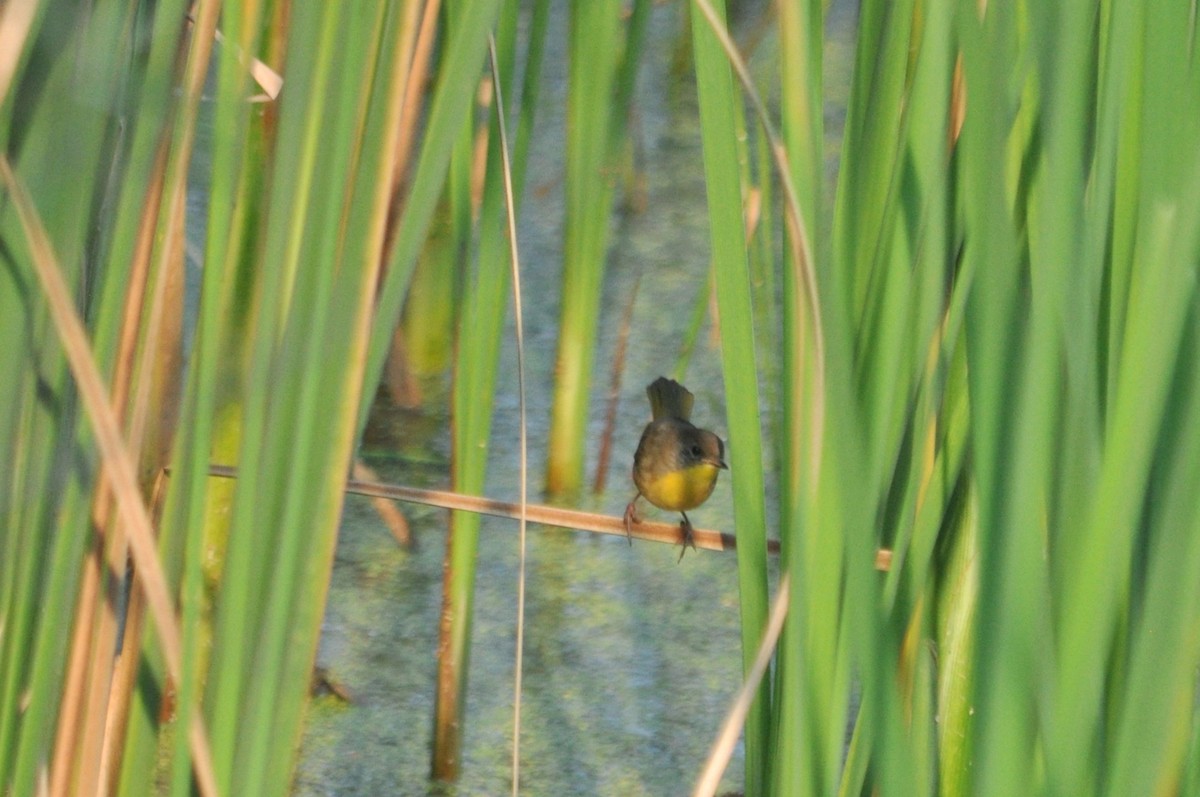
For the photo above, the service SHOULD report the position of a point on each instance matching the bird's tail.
(669, 399)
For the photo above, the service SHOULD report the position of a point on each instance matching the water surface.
(631, 660)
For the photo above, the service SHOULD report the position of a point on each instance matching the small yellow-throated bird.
(676, 463)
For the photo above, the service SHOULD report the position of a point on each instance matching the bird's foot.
(686, 537)
(630, 518)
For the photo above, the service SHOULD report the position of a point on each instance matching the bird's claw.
(630, 518)
(687, 537)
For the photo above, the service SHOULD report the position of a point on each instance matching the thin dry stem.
(536, 513)
(119, 693)
(125, 672)
(16, 17)
(66, 753)
(515, 260)
(102, 618)
(571, 519)
(614, 389)
(731, 729)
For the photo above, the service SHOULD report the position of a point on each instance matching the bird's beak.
(718, 462)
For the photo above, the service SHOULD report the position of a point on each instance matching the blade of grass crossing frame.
(719, 105)
(593, 123)
(311, 345)
(1156, 722)
(848, 641)
(130, 713)
(38, 439)
(212, 372)
(231, 192)
(166, 257)
(1161, 297)
(480, 333)
(360, 172)
(459, 72)
(241, 605)
(84, 88)
(928, 330)
(872, 119)
(317, 384)
(1163, 293)
(1003, 745)
(802, 108)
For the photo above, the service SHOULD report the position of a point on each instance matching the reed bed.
(976, 349)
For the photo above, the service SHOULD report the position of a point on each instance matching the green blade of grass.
(481, 325)
(461, 65)
(595, 124)
(719, 108)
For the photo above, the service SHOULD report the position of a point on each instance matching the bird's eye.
(697, 451)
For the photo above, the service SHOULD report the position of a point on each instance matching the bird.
(676, 463)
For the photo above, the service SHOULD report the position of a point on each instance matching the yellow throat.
(683, 489)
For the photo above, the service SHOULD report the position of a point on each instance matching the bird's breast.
(683, 489)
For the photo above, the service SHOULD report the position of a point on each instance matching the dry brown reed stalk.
(417, 37)
(402, 385)
(558, 517)
(614, 390)
(731, 728)
(416, 71)
(270, 81)
(111, 562)
(158, 374)
(110, 557)
(126, 668)
(392, 518)
(118, 462)
(66, 752)
(571, 519)
(16, 17)
(92, 634)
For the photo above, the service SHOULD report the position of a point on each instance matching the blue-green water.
(631, 660)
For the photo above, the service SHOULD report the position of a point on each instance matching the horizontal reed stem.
(574, 519)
